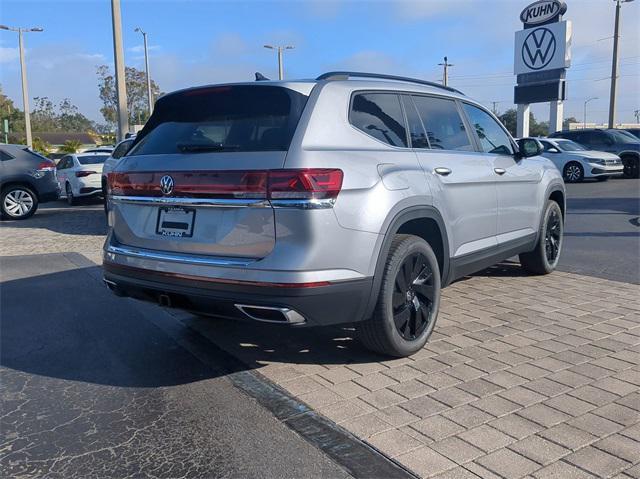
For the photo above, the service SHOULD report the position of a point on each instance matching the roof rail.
(345, 75)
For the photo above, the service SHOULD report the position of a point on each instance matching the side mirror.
(529, 147)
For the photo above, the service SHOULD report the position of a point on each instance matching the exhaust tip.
(113, 287)
(271, 314)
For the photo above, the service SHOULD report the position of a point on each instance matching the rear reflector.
(251, 184)
(82, 174)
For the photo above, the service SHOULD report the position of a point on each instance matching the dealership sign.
(542, 53)
(543, 48)
(542, 11)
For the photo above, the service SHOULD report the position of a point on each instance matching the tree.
(70, 146)
(567, 121)
(136, 84)
(10, 112)
(38, 145)
(43, 116)
(509, 120)
(70, 119)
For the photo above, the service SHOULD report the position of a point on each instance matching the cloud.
(8, 54)
(140, 48)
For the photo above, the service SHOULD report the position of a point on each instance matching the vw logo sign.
(166, 185)
(538, 48)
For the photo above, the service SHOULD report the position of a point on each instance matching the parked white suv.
(352, 198)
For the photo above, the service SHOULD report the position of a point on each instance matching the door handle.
(442, 171)
(500, 171)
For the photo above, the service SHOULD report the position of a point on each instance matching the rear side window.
(224, 118)
(379, 115)
(4, 156)
(493, 139)
(416, 129)
(445, 128)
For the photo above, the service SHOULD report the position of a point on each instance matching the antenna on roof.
(261, 77)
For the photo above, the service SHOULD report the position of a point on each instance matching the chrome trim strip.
(304, 204)
(201, 202)
(291, 316)
(177, 258)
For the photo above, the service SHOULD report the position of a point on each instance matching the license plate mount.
(175, 221)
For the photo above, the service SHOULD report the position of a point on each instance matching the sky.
(204, 42)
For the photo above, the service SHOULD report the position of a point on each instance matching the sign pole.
(556, 111)
(522, 129)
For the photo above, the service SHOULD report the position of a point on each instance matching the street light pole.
(280, 51)
(584, 122)
(146, 66)
(23, 74)
(445, 75)
(614, 64)
(118, 54)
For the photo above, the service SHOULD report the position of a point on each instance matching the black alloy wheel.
(553, 237)
(413, 297)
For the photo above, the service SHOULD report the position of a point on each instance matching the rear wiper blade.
(206, 147)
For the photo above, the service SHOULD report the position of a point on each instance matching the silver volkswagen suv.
(352, 198)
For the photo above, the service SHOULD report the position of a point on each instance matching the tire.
(18, 202)
(71, 200)
(631, 167)
(573, 172)
(408, 301)
(544, 257)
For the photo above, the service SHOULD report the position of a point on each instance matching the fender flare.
(407, 214)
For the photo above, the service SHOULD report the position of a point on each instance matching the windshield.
(224, 118)
(568, 145)
(622, 136)
(92, 159)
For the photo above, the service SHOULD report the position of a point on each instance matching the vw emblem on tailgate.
(166, 185)
(539, 48)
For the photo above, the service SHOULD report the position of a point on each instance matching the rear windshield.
(92, 159)
(222, 119)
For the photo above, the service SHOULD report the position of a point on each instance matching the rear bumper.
(321, 305)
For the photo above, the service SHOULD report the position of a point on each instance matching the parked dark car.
(620, 142)
(26, 180)
(634, 131)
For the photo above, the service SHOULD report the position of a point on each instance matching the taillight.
(297, 184)
(82, 174)
(46, 165)
(304, 184)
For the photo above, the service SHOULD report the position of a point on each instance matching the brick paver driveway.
(524, 376)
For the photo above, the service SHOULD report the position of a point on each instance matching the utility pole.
(121, 88)
(23, 74)
(445, 74)
(584, 122)
(146, 66)
(495, 107)
(614, 64)
(280, 51)
(636, 113)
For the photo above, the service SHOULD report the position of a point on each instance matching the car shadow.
(628, 206)
(58, 217)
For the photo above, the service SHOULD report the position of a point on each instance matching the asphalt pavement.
(602, 230)
(92, 386)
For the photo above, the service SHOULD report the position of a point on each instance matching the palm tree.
(70, 146)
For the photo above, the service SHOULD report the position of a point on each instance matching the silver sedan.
(576, 162)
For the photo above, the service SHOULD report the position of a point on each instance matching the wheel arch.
(424, 222)
(19, 182)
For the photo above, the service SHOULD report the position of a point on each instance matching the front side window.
(64, 163)
(441, 119)
(568, 145)
(121, 149)
(493, 139)
(546, 145)
(379, 115)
